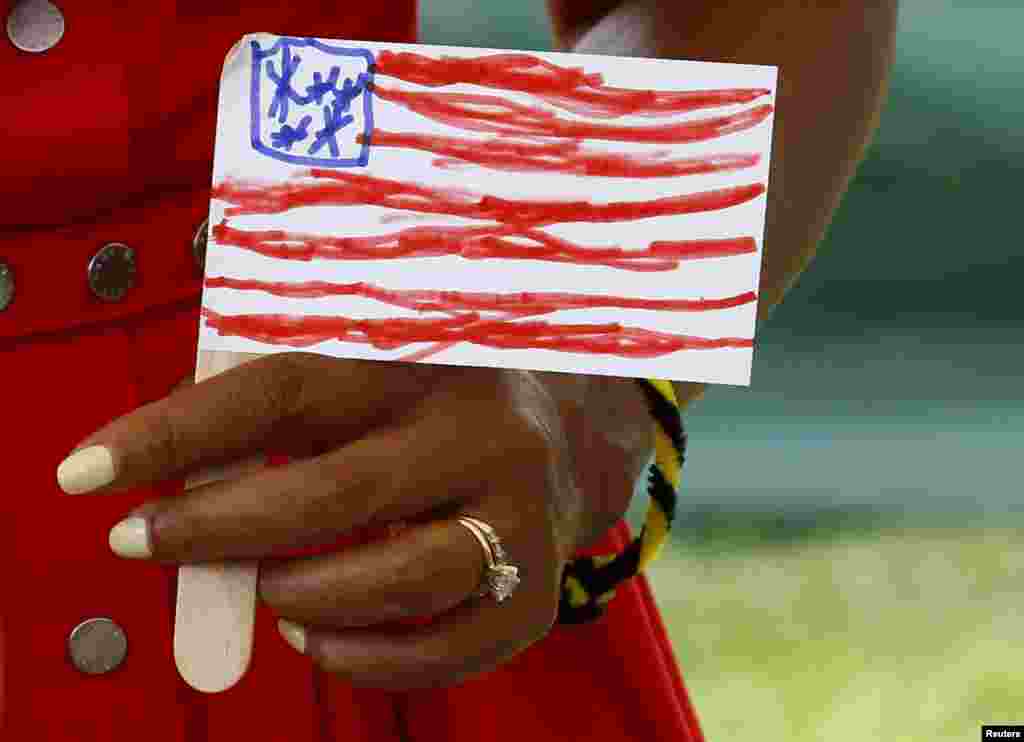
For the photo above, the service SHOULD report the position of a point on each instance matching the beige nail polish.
(294, 634)
(130, 539)
(85, 470)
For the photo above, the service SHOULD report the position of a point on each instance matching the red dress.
(109, 139)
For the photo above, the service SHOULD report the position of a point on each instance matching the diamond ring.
(500, 578)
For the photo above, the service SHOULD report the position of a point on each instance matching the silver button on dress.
(6, 286)
(35, 25)
(111, 272)
(97, 646)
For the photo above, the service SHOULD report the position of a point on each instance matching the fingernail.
(294, 634)
(130, 539)
(85, 470)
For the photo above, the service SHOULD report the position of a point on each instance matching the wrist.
(608, 436)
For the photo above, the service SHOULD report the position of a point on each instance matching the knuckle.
(175, 535)
(534, 421)
(285, 382)
(535, 458)
(418, 378)
(532, 436)
(166, 444)
(347, 498)
(398, 601)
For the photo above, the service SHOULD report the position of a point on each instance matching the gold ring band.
(500, 578)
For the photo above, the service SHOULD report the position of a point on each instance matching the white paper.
(264, 145)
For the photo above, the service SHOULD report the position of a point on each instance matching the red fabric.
(109, 137)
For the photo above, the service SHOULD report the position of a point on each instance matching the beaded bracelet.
(588, 583)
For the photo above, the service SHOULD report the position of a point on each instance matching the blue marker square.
(312, 103)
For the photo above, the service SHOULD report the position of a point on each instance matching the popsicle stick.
(216, 606)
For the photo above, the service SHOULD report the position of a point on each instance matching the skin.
(547, 459)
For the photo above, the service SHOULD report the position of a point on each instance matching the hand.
(371, 444)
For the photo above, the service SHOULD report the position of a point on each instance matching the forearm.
(608, 435)
(833, 67)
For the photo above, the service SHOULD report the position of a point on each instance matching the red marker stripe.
(491, 113)
(392, 333)
(476, 243)
(336, 188)
(518, 303)
(560, 157)
(569, 88)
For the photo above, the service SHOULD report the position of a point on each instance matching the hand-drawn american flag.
(490, 208)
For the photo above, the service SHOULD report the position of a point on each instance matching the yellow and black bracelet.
(588, 583)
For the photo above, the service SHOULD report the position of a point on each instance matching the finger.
(475, 636)
(271, 402)
(390, 474)
(425, 570)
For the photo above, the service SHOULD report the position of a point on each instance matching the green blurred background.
(848, 557)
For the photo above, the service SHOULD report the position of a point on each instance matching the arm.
(833, 67)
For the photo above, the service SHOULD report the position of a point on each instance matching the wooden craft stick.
(216, 606)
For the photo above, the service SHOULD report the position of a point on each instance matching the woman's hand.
(372, 444)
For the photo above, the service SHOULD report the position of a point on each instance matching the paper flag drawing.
(479, 207)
